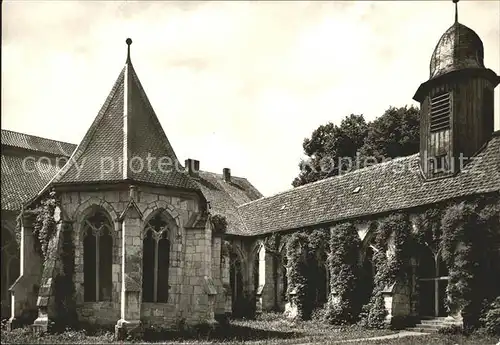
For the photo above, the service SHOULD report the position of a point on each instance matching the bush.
(451, 330)
(491, 319)
(319, 314)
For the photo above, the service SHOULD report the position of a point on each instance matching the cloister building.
(146, 248)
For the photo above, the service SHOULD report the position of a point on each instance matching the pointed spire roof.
(125, 141)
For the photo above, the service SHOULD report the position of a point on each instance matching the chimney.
(192, 167)
(226, 172)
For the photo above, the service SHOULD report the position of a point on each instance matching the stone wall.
(10, 259)
(194, 257)
(267, 280)
(219, 276)
(24, 291)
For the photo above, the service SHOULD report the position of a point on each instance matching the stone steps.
(429, 325)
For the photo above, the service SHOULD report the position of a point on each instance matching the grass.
(435, 339)
(270, 329)
(267, 329)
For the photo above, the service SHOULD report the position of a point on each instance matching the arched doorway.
(319, 283)
(236, 282)
(367, 275)
(433, 280)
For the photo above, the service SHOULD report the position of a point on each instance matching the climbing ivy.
(44, 230)
(44, 224)
(297, 272)
(469, 246)
(466, 233)
(272, 243)
(344, 275)
(428, 224)
(219, 223)
(391, 264)
(226, 249)
(304, 251)
(18, 229)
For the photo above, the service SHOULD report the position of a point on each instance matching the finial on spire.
(456, 10)
(129, 42)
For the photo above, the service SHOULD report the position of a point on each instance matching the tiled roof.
(20, 185)
(382, 188)
(125, 132)
(34, 143)
(224, 198)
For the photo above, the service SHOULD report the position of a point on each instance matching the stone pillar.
(198, 275)
(397, 303)
(225, 269)
(217, 273)
(210, 290)
(55, 297)
(267, 280)
(131, 273)
(24, 291)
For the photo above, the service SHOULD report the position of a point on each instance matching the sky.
(234, 84)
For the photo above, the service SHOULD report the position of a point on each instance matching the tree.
(327, 144)
(394, 134)
(334, 150)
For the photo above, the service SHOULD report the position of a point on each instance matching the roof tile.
(384, 187)
(121, 137)
(224, 198)
(34, 143)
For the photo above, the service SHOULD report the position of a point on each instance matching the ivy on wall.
(272, 243)
(304, 251)
(465, 233)
(226, 249)
(469, 246)
(44, 226)
(428, 223)
(219, 223)
(44, 230)
(344, 275)
(19, 220)
(297, 272)
(391, 264)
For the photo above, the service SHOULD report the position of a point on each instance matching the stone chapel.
(146, 242)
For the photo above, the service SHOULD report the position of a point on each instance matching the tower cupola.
(456, 103)
(459, 48)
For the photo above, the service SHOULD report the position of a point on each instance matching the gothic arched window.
(236, 282)
(156, 259)
(97, 257)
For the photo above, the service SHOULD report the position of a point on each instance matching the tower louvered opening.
(440, 112)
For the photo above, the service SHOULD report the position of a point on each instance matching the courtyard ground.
(268, 329)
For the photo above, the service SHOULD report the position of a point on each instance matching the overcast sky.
(234, 84)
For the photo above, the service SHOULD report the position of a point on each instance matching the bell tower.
(456, 103)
